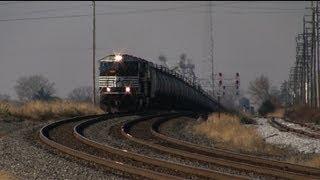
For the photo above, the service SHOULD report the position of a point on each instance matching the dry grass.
(279, 113)
(40, 110)
(314, 162)
(304, 114)
(6, 176)
(230, 131)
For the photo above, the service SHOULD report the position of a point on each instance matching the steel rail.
(218, 161)
(288, 169)
(226, 161)
(277, 124)
(44, 137)
(78, 132)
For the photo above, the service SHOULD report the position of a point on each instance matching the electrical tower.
(304, 78)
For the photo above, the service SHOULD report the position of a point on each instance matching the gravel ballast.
(287, 139)
(25, 157)
(297, 126)
(291, 145)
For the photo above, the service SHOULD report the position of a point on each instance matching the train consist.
(128, 83)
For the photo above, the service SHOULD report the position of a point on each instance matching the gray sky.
(251, 38)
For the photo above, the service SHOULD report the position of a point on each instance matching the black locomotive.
(128, 83)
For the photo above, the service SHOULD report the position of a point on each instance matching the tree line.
(38, 87)
(267, 97)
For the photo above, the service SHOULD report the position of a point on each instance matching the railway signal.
(220, 80)
(237, 83)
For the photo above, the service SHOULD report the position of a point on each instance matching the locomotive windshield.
(119, 69)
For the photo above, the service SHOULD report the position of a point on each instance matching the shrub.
(4, 109)
(303, 114)
(279, 113)
(228, 129)
(266, 107)
(246, 120)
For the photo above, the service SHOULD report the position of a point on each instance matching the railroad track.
(284, 127)
(67, 137)
(311, 126)
(152, 138)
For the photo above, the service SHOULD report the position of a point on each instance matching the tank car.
(128, 83)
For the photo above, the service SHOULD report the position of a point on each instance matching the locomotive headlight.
(128, 89)
(108, 89)
(117, 58)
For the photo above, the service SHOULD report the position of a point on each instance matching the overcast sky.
(251, 38)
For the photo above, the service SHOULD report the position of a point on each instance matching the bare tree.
(34, 87)
(182, 63)
(163, 60)
(190, 70)
(4, 97)
(259, 89)
(83, 93)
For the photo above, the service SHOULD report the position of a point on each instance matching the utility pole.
(94, 53)
(304, 80)
(314, 59)
(211, 46)
(317, 50)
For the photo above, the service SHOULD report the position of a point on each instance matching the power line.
(47, 17)
(265, 8)
(105, 13)
(137, 12)
(22, 2)
(266, 12)
(54, 9)
(8, 3)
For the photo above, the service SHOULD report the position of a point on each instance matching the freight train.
(128, 83)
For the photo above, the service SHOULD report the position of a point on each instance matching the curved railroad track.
(67, 137)
(152, 138)
(59, 135)
(310, 126)
(283, 127)
(187, 171)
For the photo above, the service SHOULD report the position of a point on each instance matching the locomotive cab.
(119, 83)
